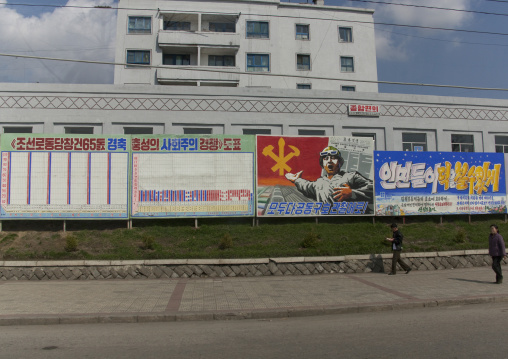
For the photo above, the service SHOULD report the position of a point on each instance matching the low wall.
(188, 268)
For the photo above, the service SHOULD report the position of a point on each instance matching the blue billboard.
(423, 183)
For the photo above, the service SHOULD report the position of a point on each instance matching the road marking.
(176, 296)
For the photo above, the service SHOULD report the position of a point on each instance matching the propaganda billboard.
(314, 176)
(64, 176)
(192, 176)
(423, 183)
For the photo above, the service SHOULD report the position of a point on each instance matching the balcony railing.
(177, 74)
(200, 38)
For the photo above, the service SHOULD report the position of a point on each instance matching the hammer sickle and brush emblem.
(281, 160)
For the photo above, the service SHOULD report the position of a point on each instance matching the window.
(303, 86)
(302, 32)
(176, 25)
(366, 135)
(501, 144)
(214, 60)
(79, 130)
(138, 57)
(303, 62)
(173, 59)
(140, 25)
(348, 88)
(345, 34)
(346, 64)
(258, 62)
(311, 133)
(257, 131)
(257, 29)
(222, 27)
(18, 129)
(197, 131)
(462, 143)
(414, 141)
(138, 130)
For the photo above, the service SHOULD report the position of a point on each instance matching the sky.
(404, 54)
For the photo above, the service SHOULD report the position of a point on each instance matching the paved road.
(52, 302)
(468, 331)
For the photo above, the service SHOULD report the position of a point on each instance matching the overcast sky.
(403, 54)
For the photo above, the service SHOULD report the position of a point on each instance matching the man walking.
(397, 248)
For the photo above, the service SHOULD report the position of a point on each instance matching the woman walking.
(497, 251)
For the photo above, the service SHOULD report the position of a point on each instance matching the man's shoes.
(409, 270)
(391, 273)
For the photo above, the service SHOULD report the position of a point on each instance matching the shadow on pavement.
(472, 280)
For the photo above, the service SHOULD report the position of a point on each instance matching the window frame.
(304, 88)
(256, 131)
(414, 143)
(255, 66)
(18, 129)
(164, 56)
(342, 87)
(350, 28)
(223, 58)
(504, 146)
(311, 132)
(222, 23)
(137, 31)
(251, 33)
(78, 130)
(165, 22)
(462, 143)
(302, 33)
(353, 65)
(138, 51)
(301, 56)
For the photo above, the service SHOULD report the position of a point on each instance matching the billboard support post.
(469, 218)
(196, 223)
(373, 220)
(64, 225)
(317, 221)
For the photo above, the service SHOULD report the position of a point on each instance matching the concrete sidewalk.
(109, 301)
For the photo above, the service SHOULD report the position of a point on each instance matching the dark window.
(303, 86)
(501, 144)
(197, 131)
(414, 141)
(302, 32)
(138, 130)
(222, 27)
(346, 64)
(257, 131)
(462, 143)
(345, 34)
(172, 59)
(18, 129)
(303, 62)
(311, 132)
(176, 25)
(79, 130)
(138, 57)
(258, 29)
(258, 63)
(140, 25)
(214, 60)
(348, 88)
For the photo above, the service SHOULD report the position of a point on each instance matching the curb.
(262, 314)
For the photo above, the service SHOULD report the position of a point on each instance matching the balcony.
(198, 38)
(173, 74)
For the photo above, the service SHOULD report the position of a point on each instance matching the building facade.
(396, 122)
(245, 43)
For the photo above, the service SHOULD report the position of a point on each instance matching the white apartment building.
(245, 43)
